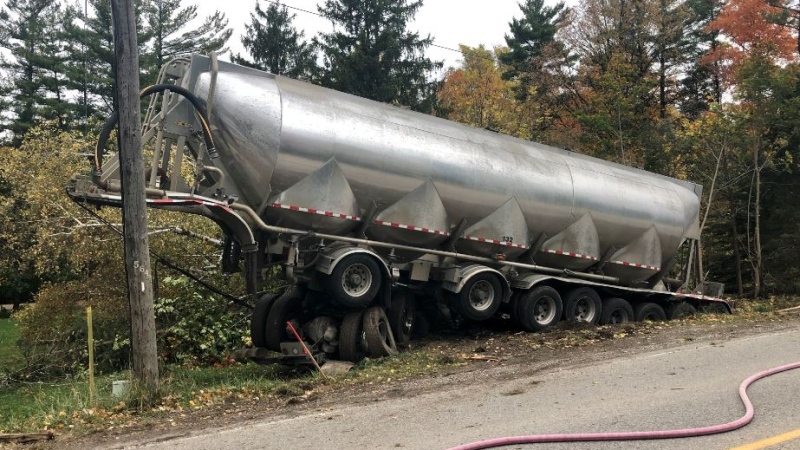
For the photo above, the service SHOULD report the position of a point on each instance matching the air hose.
(638, 435)
(111, 123)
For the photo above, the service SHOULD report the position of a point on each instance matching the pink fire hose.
(639, 435)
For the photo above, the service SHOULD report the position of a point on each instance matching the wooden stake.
(90, 339)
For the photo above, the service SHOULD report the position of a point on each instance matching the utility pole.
(134, 206)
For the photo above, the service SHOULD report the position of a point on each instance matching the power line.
(276, 2)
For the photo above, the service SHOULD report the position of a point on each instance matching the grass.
(10, 357)
(66, 405)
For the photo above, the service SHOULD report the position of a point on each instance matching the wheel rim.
(356, 280)
(383, 329)
(544, 310)
(481, 295)
(408, 320)
(617, 317)
(585, 310)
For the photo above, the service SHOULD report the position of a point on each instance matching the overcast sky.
(449, 22)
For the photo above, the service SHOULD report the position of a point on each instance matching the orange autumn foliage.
(748, 31)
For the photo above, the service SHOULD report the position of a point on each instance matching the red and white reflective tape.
(315, 211)
(572, 254)
(630, 264)
(179, 201)
(411, 227)
(495, 242)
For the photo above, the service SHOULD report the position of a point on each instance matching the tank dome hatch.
(577, 247)
(322, 201)
(418, 219)
(503, 231)
(638, 260)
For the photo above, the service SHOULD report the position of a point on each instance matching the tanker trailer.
(376, 213)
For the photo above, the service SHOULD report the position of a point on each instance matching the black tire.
(583, 305)
(402, 317)
(355, 281)
(422, 327)
(616, 311)
(714, 308)
(351, 339)
(287, 307)
(258, 321)
(681, 310)
(480, 297)
(378, 333)
(540, 308)
(649, 312)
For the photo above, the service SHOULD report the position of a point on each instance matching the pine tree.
(167, 23)
(372, 54)
(36, 66)
(275, 45)
(701, 85)
(91, 70)
(527, 44)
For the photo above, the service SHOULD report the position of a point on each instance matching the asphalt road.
(689, 386)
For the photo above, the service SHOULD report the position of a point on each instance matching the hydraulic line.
(639, 435)
(111, 123)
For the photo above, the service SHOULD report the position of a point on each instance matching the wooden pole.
(134, 207)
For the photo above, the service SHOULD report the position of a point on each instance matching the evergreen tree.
(91, 70)
(372, 54)
(701, 85)
(275, 45)
(166, 24)
(530, 36)
(36, 66)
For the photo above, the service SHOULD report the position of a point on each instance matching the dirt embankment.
(468, 357)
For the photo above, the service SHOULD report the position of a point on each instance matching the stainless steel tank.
(310, 157)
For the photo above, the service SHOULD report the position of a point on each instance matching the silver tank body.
(273, 133)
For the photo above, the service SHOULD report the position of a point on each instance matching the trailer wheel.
(402, 315)
(681, 310)
(378, 333)
(540, 308)
(480, 297)
(355, 281)
(583, 305)
(616, 311)
(649, 312)
(714, 308)
(258, 321)
(287, 307)
(351, 338)
(422, 326)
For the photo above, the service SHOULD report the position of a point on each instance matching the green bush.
(194, 327)
(5, 313)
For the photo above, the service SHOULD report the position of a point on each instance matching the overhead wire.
(169, 264)
(277, 2)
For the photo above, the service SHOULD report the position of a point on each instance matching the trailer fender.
(529, 281)
(329, 259)
(457, 277)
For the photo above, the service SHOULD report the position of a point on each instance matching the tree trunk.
(757, 262)
(737, 257)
